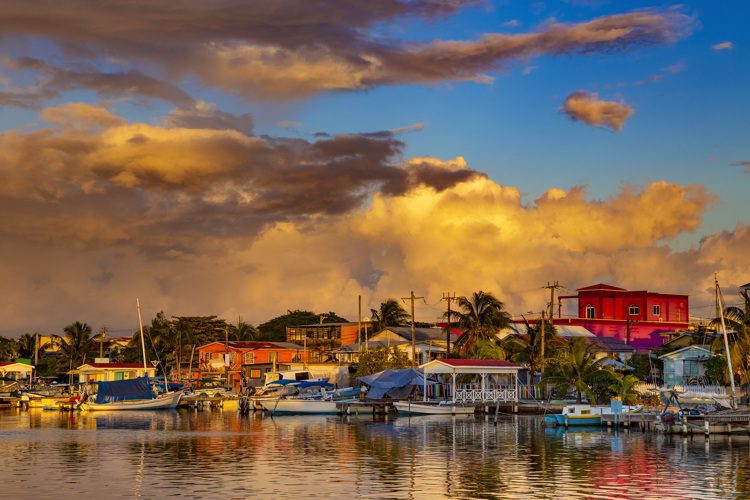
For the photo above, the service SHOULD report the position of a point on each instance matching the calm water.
(214, 454)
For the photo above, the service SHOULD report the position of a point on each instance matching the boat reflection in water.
(212, 454)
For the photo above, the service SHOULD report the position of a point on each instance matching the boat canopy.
(392, 383)
(122, 390)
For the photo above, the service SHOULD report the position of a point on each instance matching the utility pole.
(448, 298)
(552, 287)
(541, 350)
(412, 298)
(359, 322)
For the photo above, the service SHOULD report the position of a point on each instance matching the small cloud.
(723, 46)
(513, 23)
(587, 108)
(289, 124)
(528, 70)
(409, 128)
(674, 68)
(745, 164)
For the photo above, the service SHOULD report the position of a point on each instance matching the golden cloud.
(589, 109)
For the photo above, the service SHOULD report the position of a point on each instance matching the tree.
(8, 349)
(390, 313)
(487, 349)
(27, 345)
(480, 316)
(76, 344)
(244, 332)
(527, 349)
(624, 387)
(381, 358)
(737, 321)
(577, 367)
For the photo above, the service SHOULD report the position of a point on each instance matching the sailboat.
(134, 394)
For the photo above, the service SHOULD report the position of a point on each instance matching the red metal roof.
(6, 363)
(116, 365)
(476, 362)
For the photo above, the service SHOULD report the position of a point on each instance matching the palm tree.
(576, 366)
(27, 345)
(391, 313)
(624, 388)
(737, 321)
(527, 349)
(76, 343)
(480, 316)
(244, 332)
(488, 349)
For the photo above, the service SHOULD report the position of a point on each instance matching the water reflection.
(212, 454)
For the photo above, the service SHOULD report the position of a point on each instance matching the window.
(634, 310)
(249, 358)
(657, 310)
(590, 312)
(255, 373)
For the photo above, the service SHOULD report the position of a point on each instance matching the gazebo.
(484, 392)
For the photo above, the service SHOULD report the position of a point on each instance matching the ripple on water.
(207, 454)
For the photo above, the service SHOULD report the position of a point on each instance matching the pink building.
(634, 317)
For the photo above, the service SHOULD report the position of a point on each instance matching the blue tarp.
(121, 390)
(392, 383)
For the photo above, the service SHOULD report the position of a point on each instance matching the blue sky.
(147, 166)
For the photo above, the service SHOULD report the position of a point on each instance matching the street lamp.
(366, 320)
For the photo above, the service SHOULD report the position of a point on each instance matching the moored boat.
(134, 394)
(584, 414)
(428, 408)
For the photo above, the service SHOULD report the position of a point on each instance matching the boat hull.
(164, 402)
(408, 408)
(300, 406)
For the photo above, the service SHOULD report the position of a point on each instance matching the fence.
(493, 394)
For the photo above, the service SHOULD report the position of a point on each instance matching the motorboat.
(167, 401)
(433, 408)
(584, 414)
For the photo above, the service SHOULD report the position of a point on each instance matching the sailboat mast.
(720, 301)
(140, 325)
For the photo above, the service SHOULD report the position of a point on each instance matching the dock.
(721, 422)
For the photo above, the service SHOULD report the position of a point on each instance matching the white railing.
(713, 390)
(490, 395)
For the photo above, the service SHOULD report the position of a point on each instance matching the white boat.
(428, 408)
(168, 401)
(295, 405)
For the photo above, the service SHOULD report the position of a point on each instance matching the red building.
(634, 317)
(224, 361)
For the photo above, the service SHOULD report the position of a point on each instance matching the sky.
(243, 159)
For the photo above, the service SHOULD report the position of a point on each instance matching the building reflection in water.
(216, 453)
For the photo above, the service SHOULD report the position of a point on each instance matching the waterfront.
(223, 455)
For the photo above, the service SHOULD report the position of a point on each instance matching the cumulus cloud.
(55, 80)
(723, 46)
(589, 109)
(475, 234)
(203, 173)
(309, 46)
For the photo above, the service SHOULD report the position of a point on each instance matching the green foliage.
(275, 329)
(381, 358)
(623, 386)
(487, 349)
(528, 349)
(8, 349)
(76, 344)
(737, 321)
(480, 316)
(642, 365)
(716, 369)
(577, 367)
(390, 313)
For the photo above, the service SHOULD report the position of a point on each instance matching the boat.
(310, 398)
(133, 394)
(432, 408)
(584, 414)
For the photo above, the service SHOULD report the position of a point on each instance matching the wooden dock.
(721, 422)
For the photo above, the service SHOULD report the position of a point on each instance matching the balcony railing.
(489, 394)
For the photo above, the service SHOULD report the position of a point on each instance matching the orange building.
(321, 339)
(224, 361)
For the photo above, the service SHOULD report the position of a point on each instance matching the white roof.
(477, 366)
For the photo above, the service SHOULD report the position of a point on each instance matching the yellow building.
(107, 372)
